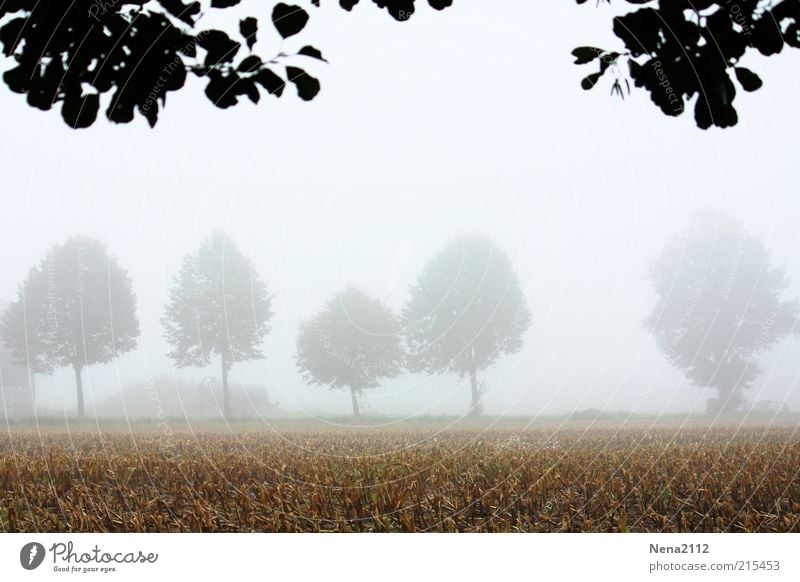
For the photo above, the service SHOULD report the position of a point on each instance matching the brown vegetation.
(421, 479)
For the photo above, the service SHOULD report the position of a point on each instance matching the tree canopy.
(677, 50)
(126, 56)
(75, 309)
(218, 307)
(353, 343)
(719, 305)
(466, 311)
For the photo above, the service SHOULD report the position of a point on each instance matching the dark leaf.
(589, 81)
(307, 86)
(748, 79)
(221, 89)
(248, 28)
(270, 81)
(250, 64)
(150, 112)
(401, 10)
(80, 112)
(10, 35)
(586, 54)
(766, 36)
(312, 52)
(440, 4)
(219, 46)
(288, 20)
(181, 11)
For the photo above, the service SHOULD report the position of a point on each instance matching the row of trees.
(77, 308)
(719, 307)
(465, 311)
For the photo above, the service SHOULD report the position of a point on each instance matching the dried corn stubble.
(496, 481)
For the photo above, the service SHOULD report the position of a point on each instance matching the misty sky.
(466, 120)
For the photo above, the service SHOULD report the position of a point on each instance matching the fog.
(468, 120)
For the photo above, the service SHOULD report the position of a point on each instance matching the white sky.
(468, 119)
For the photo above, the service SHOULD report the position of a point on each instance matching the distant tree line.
(719, 307)
(77, 308)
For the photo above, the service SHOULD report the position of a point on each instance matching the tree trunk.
(354, 400)
(226, 410)
(728, 400)
(79, 386)
(477, 407)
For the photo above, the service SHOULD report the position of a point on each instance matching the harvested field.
(421, 478)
